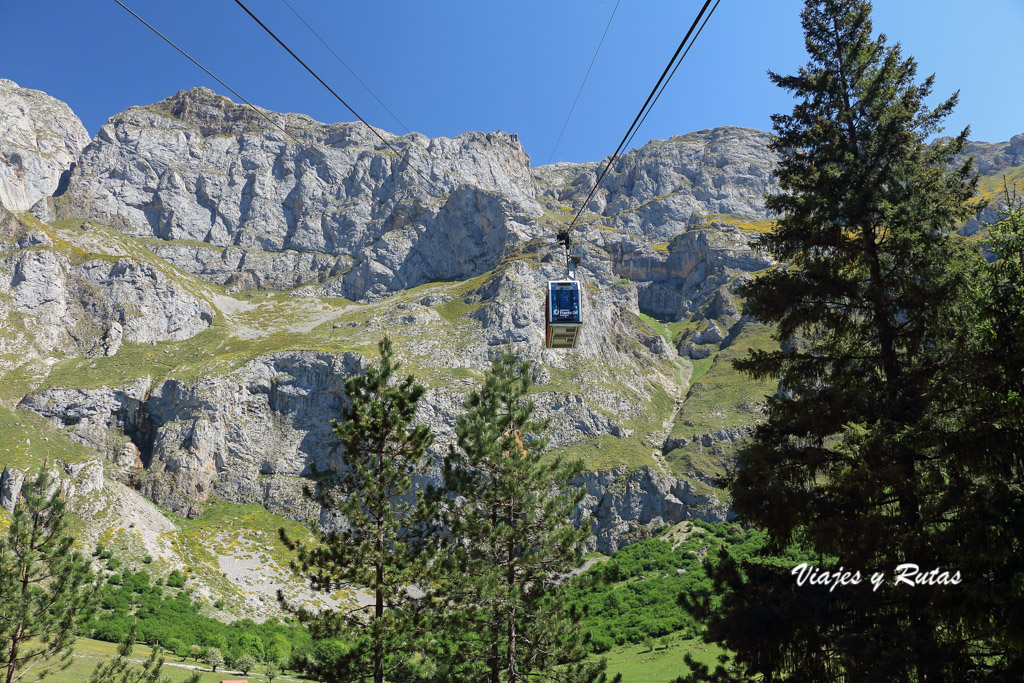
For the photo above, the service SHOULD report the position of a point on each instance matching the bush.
(601, 643)
(176, 579)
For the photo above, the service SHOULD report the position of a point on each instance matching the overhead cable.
(342, 62)
(280, 42)
(578, 92)
(640, 114)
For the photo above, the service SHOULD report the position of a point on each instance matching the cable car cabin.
(562, 314)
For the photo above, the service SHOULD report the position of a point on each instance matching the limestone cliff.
(187, 302)
(40, 140)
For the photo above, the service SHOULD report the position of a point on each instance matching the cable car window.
(565, 304)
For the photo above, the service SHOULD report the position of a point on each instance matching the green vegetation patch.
(166, 614)
(89, 653)
(721, 397)
(991, 186)
(745, 223)
(662, 664)
(630, 602)
(27, 438)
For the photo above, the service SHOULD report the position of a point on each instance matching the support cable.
(587, 75)
(639, 115)
(403, 156)
(342, 62)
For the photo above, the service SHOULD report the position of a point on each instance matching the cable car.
(562, 314)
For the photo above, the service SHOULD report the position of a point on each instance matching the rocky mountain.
(42, 139)
(182, 297)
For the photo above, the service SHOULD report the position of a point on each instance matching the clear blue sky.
(447, 67)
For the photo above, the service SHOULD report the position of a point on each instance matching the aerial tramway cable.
(563, 302)
(342, 62)
(280, 42)
(640, 114)
(587, 75)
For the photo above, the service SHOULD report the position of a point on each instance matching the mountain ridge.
(186, 302)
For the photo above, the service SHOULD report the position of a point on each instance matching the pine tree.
(509, 538)
(377, 545)
(46, 586)
(869, 299)
(985, 502)
(122, 670)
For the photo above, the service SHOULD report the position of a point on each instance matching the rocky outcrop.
(332, 190)
(40, 139)
(11, 481)
(95, 305)
(251, 268)
(660, 188)
(250, 436)
(693, 268)
(623, 507)
(76, 480)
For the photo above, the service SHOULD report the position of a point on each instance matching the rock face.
(663, 186)
(624, 507)
(11, 481)
(75, 479)
(92, 305)
(332, 190)
(244, 437)
(695, 265)
(40, 139)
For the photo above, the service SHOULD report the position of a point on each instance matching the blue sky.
(446, 67)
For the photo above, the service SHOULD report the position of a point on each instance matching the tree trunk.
(15, 643)
(511, 579)
(378, 645)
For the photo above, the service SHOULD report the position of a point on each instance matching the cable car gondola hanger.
(563, 304)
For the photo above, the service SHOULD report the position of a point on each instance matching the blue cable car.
(563, 318)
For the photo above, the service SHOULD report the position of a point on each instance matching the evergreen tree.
(45, 585)
(121, 670)
(509, 538)
(377, 543)
(985, 498)
(872, 293)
